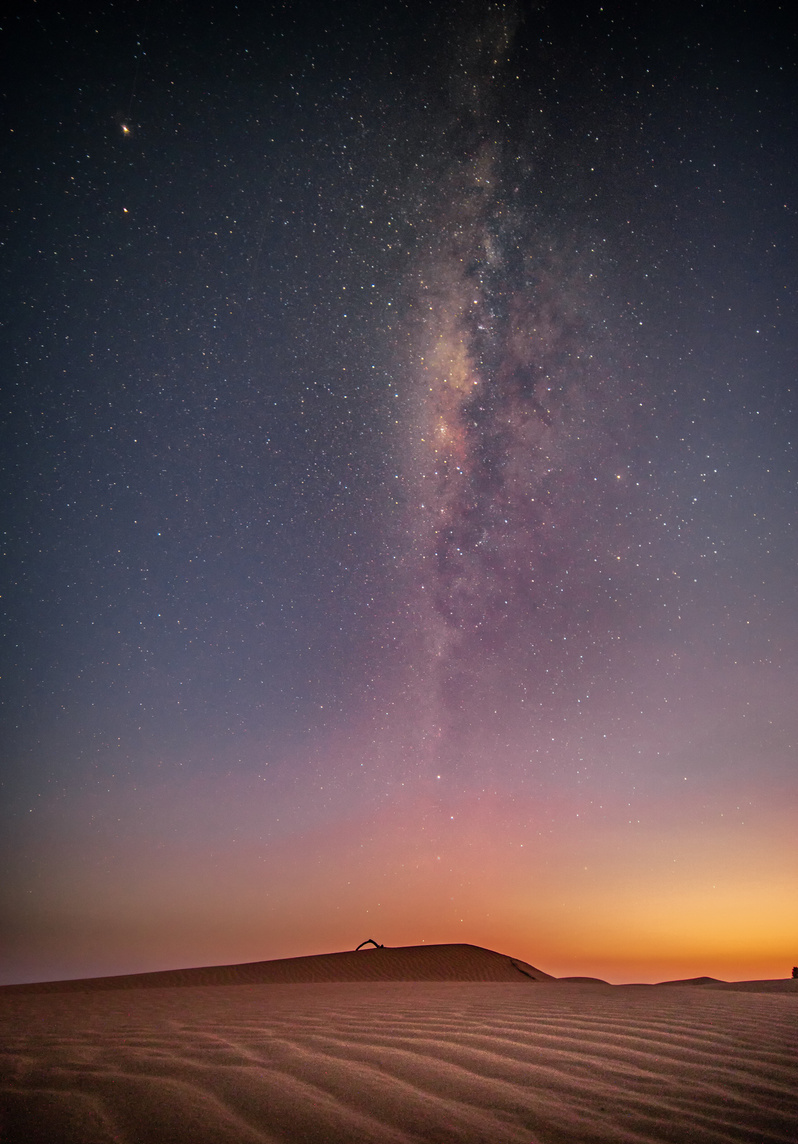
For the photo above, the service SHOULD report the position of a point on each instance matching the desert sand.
(464, 1055)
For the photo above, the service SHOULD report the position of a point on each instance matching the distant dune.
(403, 963)
(584, 980)
(774, 985)
(695, 981)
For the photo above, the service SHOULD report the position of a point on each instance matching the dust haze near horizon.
(400, 473)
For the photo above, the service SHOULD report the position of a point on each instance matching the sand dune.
(392, 1062)
(694, 981)
(402, 963)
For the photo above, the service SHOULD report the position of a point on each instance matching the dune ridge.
(449, 962)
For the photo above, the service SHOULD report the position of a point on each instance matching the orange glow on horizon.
(572, 904)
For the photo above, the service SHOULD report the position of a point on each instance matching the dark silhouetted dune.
(695, 981)
(776, 985)
(584, 980)
(403, 963)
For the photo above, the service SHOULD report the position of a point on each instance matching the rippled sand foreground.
(394, 1062)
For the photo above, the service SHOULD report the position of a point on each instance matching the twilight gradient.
(401, 482)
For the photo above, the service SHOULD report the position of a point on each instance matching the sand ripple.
(399, 1062)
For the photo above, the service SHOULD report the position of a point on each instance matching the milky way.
(519, 434)
(514, 416)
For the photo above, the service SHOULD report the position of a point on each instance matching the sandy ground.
(395, 1061)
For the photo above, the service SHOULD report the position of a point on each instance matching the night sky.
(399, 468)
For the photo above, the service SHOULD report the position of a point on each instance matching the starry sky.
(399, 469)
